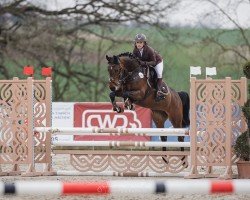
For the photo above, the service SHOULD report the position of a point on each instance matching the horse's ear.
(108, 58)
(116, 60)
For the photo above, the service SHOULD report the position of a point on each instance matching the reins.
(132, 75)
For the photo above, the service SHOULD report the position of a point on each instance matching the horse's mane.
(128, 54)
(132, 60)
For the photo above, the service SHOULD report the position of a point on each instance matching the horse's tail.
(185, 106)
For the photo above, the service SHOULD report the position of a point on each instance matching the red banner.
(101, 115)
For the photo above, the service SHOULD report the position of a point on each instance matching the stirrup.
(164, 90)
(160, 96)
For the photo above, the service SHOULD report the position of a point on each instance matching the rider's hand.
(142, 63)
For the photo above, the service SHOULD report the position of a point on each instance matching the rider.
(148, 56)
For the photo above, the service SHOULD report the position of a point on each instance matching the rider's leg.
(160, 87)
(159, 84)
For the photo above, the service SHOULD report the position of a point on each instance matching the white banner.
(211, 71)
(195, 70)
(62, 116)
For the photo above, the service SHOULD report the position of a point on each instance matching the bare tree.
(33, 33)
(219, 39)
(224, 55)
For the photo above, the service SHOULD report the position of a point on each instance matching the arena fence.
(216, 121)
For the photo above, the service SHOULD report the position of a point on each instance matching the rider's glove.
(143, 63)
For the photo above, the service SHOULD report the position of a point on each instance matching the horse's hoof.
(119, 110)
(185, 165)
(131, 107)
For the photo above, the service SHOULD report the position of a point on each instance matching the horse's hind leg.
(177, 123)
(176, 119)
(159, 118)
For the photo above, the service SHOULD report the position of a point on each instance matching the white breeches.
(159, 69)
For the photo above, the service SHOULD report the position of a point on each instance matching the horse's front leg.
(130, 96)
(116, 108)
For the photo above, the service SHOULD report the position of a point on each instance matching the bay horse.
(137, 85)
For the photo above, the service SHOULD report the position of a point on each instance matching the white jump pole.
(76, 130)
(125, 187)
(120, 174)
(119, 144)
(119, 134)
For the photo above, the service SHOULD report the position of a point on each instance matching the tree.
(34, 33)
(235, 55)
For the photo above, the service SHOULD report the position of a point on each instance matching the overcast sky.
(194, 13)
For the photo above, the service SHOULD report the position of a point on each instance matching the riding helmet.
(140, 37)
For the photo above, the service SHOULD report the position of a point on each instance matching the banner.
(211, 71)
(195, 70)
(102, 115)
(62, 116)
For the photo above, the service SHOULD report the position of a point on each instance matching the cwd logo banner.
(101, 115)
(109, 119)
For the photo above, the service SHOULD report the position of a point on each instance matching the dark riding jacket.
(149, 55)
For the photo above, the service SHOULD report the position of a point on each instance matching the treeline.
(75, 40)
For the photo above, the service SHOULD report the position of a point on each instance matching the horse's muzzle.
(114, 86)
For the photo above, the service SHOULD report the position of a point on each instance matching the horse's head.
(119, 66)
(114, 70)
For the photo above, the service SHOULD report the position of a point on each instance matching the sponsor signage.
(62, 116)
(101, 115)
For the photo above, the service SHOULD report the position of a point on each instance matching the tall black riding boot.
(160, 94)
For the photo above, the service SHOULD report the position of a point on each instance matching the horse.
(136, 83)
